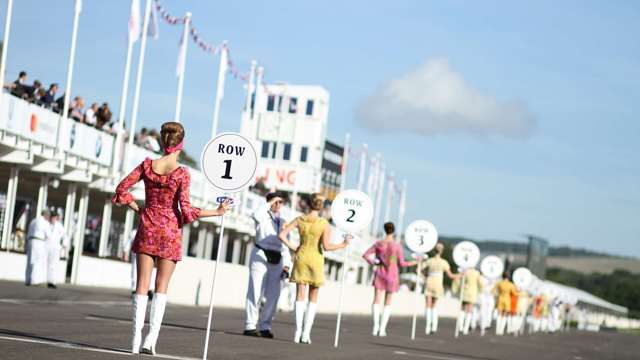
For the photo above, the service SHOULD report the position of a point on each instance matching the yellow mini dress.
(434, 269)
(308, 266)
(504, 288)
(472, 286)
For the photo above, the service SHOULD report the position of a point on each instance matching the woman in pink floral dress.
(387, 255)
(159, 237)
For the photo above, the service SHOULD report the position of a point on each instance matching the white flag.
(134, 21)
(153, 30)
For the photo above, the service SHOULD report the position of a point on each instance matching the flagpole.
(72, 56)
(402, 207)
(123, 107)
(377, 213)
(136, 91)
(5, 41)
(250, 89)
(345, 161)
(258, 105)
(183, 48)
(363, 167)
(222, 69)
(391, 185)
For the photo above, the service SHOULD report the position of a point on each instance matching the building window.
(309, 111)
(280, 101)
(271, 102)
(273, 149)
(303, 154)
(293, 105)
(286, 152)
(265, 149)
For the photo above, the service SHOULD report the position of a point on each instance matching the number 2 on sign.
(227, 170)
(353, 213)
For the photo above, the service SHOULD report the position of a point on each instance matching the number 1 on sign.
(227, 170)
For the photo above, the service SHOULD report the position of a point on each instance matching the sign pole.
(213, 287)
(417, 301)
(344, 275)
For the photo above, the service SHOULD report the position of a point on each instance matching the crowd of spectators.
(96, 116)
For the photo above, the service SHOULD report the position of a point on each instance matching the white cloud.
(434, 99)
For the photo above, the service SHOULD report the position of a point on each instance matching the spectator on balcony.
(103, 117)
(90, 116)
(58, 105)
(152, 141)
(19, 88)
(75, 109)
(33, 92)
(49, 96)
(141, 137)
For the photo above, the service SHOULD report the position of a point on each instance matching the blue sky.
(573, 65)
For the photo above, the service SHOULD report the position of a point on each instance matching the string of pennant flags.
(201, 43)
(357, 152)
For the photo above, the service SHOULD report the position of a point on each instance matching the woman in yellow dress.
(504, 289)
(434, 269)
(308, 266)
(472, 286)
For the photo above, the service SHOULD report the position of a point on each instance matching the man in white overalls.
(37, 235)
(54, 242)
(270, 261)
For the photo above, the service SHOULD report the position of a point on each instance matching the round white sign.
(492, 267)
(522, 277)
(421, 236)
(229, 162)
(466, 254)
(352, 210)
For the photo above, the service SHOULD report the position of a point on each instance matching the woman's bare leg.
(163, 275)
(145, 268)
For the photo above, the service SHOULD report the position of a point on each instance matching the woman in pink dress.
(388, 256)
(159, 237)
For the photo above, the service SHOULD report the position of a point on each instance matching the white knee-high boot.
(429, 316)
(467, 323)
(155, 321)
(386, 314)
(460, 321)
(500, 324)
(434, 320)
(308, 322)
(300, 308)
(138, 312)
(376, 319)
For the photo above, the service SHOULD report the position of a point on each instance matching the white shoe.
(138, 310)
(376, 330)
(383, 333)
(297, 336)
(155, 320)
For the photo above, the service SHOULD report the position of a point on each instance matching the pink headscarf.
(171, 149)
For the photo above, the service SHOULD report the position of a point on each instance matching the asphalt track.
(91, 323)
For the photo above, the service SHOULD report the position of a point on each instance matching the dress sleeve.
(367, 254)
(401, 260)
(122, 195)
(189, 213)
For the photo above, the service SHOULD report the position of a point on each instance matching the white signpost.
(351, 211)
(522, 278)
(492, 267)
(466, 255)
(420, 237)
(229, 163)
